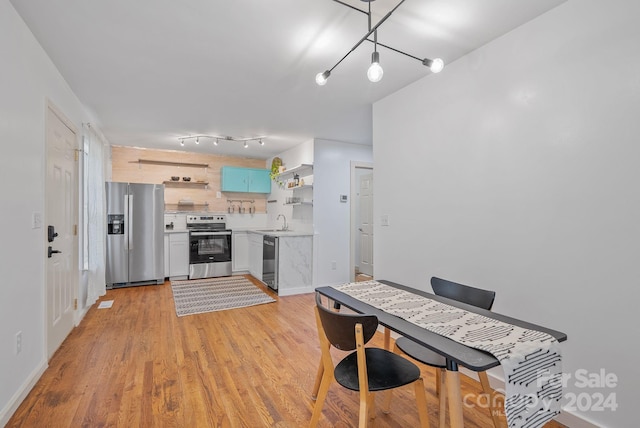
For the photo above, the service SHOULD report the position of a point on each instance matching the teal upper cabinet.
(252, 180)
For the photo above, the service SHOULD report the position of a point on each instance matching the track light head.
(215, 142)
(261, 142)
(375, 71)
(321, 78)
(197, 140)
(435, 65)
(246, 144)
(182, 142)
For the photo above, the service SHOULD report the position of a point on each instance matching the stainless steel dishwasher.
(270, 261)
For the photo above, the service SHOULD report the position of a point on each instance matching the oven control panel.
(218, 218)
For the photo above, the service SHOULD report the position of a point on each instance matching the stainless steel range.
(209, 246)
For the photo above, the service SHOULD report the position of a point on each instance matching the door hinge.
(75, 304)
(75, 230)
(75, 155)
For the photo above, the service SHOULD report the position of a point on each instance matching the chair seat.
(386, 370)
(420, 353)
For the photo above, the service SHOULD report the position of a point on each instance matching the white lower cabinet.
(240, 250)
(176, 247)
(255, 255)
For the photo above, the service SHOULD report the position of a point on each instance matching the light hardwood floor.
(139, 365)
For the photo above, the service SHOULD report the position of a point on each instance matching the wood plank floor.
(139, 365)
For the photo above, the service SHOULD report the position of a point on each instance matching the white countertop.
(272, 232)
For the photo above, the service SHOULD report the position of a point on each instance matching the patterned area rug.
(216, 294)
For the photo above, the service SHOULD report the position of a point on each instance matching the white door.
(60, 213)
(365, 225)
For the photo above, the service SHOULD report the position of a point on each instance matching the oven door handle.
(209, 233)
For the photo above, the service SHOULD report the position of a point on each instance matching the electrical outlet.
(18, 342)
(334, 265)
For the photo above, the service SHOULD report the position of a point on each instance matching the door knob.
(51, 251)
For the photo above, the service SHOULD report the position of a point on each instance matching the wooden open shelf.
(172, 183)
(168, 163)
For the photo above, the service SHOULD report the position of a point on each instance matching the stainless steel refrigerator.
(135, 234)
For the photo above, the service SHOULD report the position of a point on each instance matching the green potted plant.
(276, 167)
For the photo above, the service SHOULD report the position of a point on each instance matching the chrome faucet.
(284, 223)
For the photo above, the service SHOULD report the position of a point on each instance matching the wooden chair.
(366, 370)
(462, 293)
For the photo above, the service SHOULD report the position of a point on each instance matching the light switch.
(36, 221)
(384, 220)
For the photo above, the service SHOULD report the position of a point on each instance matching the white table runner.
(531, 359)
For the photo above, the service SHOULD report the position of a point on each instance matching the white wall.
(27, 80)
(331, 218)
(517, 169)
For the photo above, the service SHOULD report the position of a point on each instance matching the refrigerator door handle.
(130, 226)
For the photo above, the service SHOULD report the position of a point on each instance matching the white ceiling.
(155, 70)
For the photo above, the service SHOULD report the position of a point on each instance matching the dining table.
(456, 354)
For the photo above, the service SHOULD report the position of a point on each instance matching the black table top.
(471, 358)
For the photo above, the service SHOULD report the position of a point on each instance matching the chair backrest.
(463, 293)
(340, 328)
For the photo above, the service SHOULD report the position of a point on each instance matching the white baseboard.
(21, 394)
(297, 290)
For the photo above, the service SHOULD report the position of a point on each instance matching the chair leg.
(440, 375)
(421, 401)
(371, 403)
(389, 393)
(486, 388)
(363, 418)
(316, 385)
(322, 394)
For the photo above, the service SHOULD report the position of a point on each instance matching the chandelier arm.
(395, 50)
(366, 36)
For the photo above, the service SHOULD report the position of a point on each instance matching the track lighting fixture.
(375, 72)
(216, 139)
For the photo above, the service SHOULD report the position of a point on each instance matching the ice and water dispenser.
(115, 224)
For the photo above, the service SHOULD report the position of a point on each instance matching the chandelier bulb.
(375, 71)
(435, 65)
(321, 78)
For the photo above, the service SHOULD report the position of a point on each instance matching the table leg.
(387, 339)
(454, 395)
